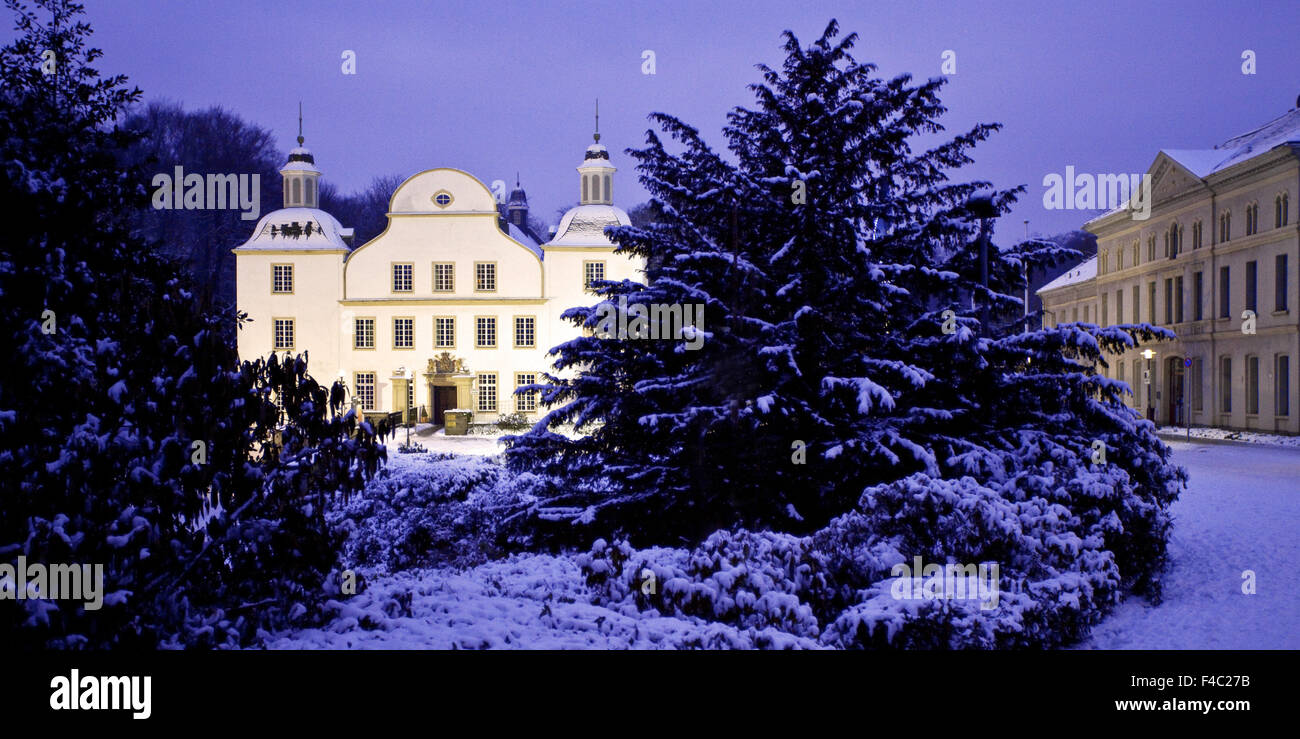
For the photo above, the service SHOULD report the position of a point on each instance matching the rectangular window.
(1085, 313)
(1198, 296)
(525, 332)
(1178, 300)
(1151, 302)
(282, 278)
(444, 277)
(410, 393)
(592, 271)
(404, 333)
(403, 276)
(284, 333)
(1105, 308)
(525, 402)
(1137, 314)
(1198, 384)
(1119, 371)
(485, 332)
(1136, 384)
(487, 392)
(1169, 301)
(444, 332)
(1252, 385)
(1225, 384)
(365, 384)
(1282, 385)
(363, 333)
(1252, 274)
(1279, 283)
(1151, 253)
(485, 277)
(1224, 310)
(1119, 306)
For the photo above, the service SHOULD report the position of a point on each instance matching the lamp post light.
(1148, 354)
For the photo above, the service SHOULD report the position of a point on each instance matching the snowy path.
(1241, 511)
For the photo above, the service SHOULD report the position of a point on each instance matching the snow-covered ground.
(1241, 512)
(1246, 437)
(438, 441)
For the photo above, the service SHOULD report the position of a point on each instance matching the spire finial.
(598, 120)
(300, 139)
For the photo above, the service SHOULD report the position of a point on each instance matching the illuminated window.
(444, 277)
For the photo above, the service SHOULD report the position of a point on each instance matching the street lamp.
(1148, 354)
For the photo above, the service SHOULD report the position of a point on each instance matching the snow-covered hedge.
(1055, 578)
(438, 509)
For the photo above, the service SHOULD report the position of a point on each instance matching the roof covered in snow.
(1280, 131)
(308, 229)
(596, 156)
(300, 160)
(1082, 272)
(585, 225)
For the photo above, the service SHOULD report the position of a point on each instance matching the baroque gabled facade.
(1217, 263)
(451, 307)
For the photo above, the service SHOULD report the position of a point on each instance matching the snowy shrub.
(439, 509)
(514, 422)
(749, 580)
(1055, 579)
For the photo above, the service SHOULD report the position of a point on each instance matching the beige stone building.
(449, 308)
(1216, 262)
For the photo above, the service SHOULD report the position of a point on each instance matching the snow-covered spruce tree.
(132, 436)
(826, 257)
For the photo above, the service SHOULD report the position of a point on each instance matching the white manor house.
(450, 307)
(1216, 263)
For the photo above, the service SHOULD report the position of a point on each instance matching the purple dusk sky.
(496, 87)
